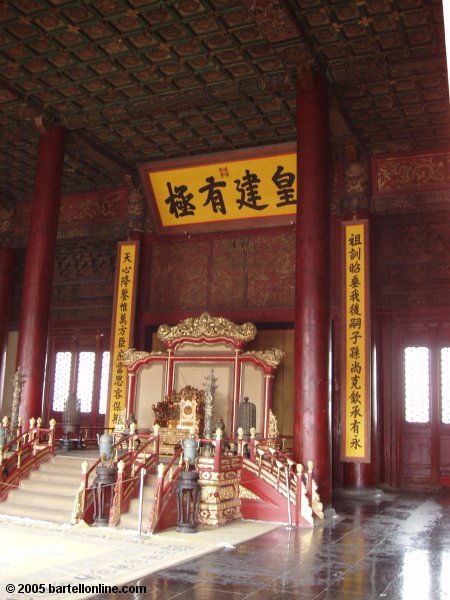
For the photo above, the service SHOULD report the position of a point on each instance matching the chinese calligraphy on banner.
(122, 325)
(356, 404)
(233, 189)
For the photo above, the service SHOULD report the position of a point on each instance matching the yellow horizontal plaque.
(229, 190)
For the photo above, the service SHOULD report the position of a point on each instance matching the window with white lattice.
(104, 380)
(445, 385)
(88, 371)
(417, 384)
(85, 380)
(61, 383)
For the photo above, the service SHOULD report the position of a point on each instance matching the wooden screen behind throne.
(197, 349)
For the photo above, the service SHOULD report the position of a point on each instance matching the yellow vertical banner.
(122, 327)
(356, 401)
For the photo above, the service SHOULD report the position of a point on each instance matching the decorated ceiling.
(144, 80)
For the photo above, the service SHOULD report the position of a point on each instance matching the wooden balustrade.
(25, 452)
(166, 487)
(128, 472)
(134, 456)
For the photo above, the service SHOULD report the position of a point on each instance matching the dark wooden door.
(424, 369)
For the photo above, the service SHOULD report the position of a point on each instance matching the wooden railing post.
(218, 451)
(155, 511)
(253, 443)
(116, 504)
(309, 481)
(298, 493)
(240, 444)
(51, 436)
(156, 429)
(80, 497)
(31, 427)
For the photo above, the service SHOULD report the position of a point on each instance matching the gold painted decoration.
(122, 326)
(272, 357)
(414, 172)
(132, 355)
(206, 326)
(247, 494)
(356, 401)
(223, 189)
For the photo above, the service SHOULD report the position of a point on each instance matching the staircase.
(129, 519)
(48, 493)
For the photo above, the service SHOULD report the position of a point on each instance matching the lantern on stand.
(188, 489)
(104, 482)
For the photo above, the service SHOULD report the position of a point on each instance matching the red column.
(312, 435)
(37, 283)
(6, 292)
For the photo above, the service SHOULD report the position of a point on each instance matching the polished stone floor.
(384, 546)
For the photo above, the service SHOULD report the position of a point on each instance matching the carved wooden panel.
(271, 270)
(228, 275)
(414, 172)
(179, 275)
(83, 280)
(412, 260)
(254, 271)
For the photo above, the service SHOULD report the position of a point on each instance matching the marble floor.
(379, 546)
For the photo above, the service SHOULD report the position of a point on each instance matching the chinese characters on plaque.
(230, 190)
(356, 406)
(122, 326)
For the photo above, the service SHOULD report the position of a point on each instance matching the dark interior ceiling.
(137, 80)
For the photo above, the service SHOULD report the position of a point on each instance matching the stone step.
(34, 512)
(129, 520)
(56, 465)
(49, 493)
(54, 479)
(51, 501)
(65, 486)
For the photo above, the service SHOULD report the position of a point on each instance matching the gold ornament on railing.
(78, 506)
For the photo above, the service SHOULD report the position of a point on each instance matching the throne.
(177, 415)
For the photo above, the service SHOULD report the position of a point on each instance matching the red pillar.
(37, 283)
(6, 291)
(312, 434)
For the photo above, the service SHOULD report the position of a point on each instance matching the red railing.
(128, 476)
(278, 470)
(262, 459)
(24, 453)
(124, 449)
(86, 436)
(167, 477)
(84, 499)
